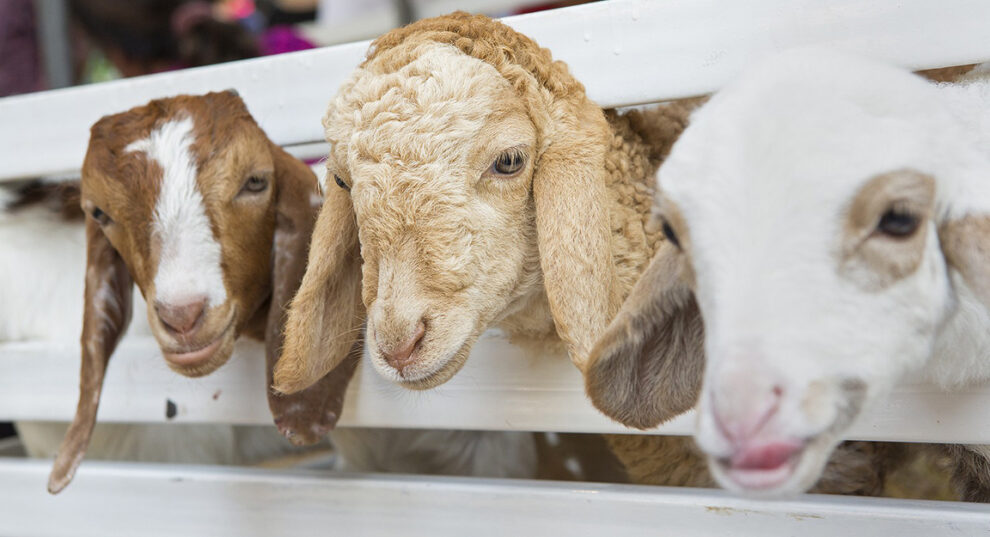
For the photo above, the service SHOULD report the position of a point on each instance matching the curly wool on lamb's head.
(476, 170)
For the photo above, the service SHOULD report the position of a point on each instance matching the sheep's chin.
(795, 476)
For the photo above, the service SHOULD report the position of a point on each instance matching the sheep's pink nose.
(181, 318)
(400, 356)
(744, 418)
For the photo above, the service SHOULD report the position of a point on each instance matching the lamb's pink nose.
(741, 419)
(400, 355)
(765, 457)
(181, 318)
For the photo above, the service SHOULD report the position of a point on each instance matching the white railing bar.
(502, 387)
(136, 500)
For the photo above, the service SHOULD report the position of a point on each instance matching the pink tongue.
(765, 457)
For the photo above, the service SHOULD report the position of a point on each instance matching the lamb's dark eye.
(340, 182)
(255, 184)
(898, 224)
(101, 217)
(509, 163)
(671, 236)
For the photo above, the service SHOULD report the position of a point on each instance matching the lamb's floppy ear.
(308, 415)
(573, 227)
(324, 318)
(966, 246)
(106, 314)
(648, 366)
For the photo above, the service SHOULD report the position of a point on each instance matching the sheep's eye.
(340, 182)
(101, 217)
(255, 184)
(898, 224)
(671, 236)
(509, 163)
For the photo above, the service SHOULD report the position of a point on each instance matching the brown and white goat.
(188, 198)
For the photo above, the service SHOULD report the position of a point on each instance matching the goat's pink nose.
(400, 356)
(181, 318)
(740, 421)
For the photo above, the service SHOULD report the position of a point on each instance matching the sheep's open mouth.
(764, 468)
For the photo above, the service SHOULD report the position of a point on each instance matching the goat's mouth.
(768, 469)
(204, 359)
(446, 370)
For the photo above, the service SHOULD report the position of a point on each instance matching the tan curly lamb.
(487, 190)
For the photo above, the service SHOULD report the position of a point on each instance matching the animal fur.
(448, 242)
(486, 454)
(41, 285)
(857, 259)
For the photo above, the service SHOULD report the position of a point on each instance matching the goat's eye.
(898, 224)
(340, 182)
(101, 217)
(255, 184)
(509, 163)
(668, 232)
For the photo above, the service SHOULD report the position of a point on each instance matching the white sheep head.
(831, 214)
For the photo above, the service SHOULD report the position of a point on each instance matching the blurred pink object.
(281, 39)
(20, 55)
(237, 9)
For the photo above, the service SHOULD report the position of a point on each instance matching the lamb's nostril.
(400, 356)
(181, 318)
(742, 421)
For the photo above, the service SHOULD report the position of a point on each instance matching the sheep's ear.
(308, 415)
(106, 314)
(573, 227)
(966, 246)
(324, 320)
(648, 366)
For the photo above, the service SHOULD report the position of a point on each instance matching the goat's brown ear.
(966, 246)
(306, 416)
(324, 319)
(573, 226)
(106, 314)
(648, 365)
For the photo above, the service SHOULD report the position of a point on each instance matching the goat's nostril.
(746, 419)
(181, 318)
(400, 356)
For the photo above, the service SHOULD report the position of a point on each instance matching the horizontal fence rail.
(103, 501)
(502, 387)
(625, 51)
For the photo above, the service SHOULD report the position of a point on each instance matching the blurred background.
(48, 44)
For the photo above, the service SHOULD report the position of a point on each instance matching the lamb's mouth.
(448, 368)
(189, 359)
(766, 469)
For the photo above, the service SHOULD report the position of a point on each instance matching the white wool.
(763, 179)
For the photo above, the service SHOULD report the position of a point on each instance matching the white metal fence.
(626, 52)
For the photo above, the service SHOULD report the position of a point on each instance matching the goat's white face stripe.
(189, 263)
